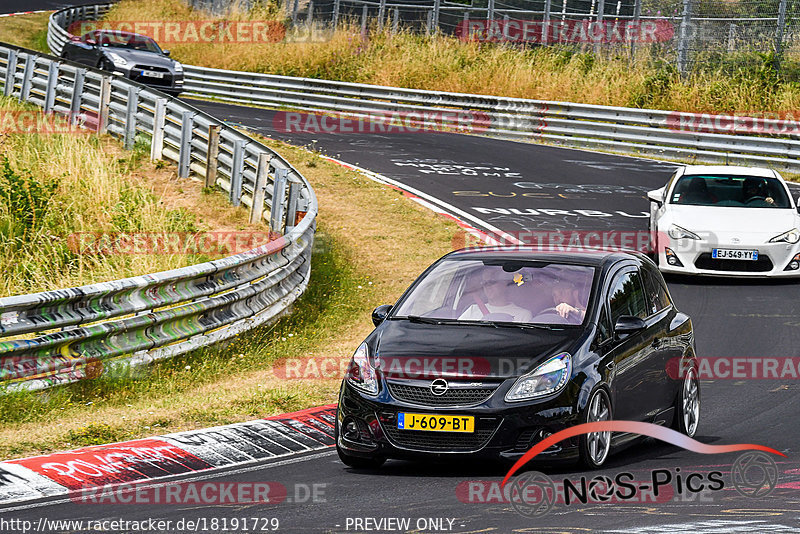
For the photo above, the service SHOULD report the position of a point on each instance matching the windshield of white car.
(127, 40)
(502, 292)
(730, 191)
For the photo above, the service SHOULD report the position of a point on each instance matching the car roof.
(735, 170)
(124, 34)
(572, 255)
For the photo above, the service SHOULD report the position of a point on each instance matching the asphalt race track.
(579, 190)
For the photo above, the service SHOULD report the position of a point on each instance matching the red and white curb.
(167, 455)
(24, 13)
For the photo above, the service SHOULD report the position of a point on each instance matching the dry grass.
(55, 185)
(362, 259)
(446, 64)
(28, 31)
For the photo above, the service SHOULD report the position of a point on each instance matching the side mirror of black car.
(166, 52)
(627, 325)
(380, 313)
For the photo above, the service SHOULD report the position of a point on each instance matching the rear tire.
(687, 405)
(594, 448)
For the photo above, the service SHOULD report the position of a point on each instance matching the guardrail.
(626, 130)
(60, 336)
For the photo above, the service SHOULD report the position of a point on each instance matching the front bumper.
(171, 81)
(695, 258)
(503, 430)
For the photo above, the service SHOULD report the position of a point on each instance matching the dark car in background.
(134, 56)
(490, 351)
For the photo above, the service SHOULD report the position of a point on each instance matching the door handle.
(656, 343)
(610, 365)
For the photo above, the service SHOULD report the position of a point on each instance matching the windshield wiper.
(428, 320)
(511, 324)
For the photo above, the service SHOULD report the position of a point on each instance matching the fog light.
(350, 430)
(672, 259)
(794, 264)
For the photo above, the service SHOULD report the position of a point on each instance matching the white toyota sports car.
(726, 221)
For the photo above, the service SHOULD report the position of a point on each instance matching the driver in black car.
(567, 302)
(497, 305)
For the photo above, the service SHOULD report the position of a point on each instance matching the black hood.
(141, 57)
(406, 349)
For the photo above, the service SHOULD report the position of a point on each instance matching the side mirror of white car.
(657, 196)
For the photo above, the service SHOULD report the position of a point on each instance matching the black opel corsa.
(492, 350)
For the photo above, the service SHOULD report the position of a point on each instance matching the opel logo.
(439, 386)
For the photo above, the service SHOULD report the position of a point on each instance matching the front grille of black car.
(454, 396)
(762, 264)
(136, 76)
(421, 440)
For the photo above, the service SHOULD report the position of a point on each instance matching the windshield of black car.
(730, 191)
(501, 291)
(131, 42)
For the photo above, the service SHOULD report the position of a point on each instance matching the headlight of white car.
(361, 374)
(548, 378)
(676, 232)
(790, 236)
(118, 60)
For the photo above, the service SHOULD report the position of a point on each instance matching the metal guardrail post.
(212, 153)
(364, 14)
(779, 34)
(11, 71)
(601, 11)
(291, 205)
(437, 5)
(185, 154)
(310, 16)
(27, 75)
(77, 94)
(159, 121)
(428, 22)
(278, 192)
(396, 21)
(50, 91)
(381, 14)
(130, 117)
(335, 13)
(295, 7)
(490, 11)
(259, 190)
(105, 99)
(236, 173)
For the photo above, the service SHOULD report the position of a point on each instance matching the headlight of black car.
(360, 373)
(548, 378)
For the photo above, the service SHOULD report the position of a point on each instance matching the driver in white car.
(497, 306)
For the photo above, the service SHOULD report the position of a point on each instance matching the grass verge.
(367, 251)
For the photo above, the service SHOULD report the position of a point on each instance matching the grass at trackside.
(27, 31)
(56, 185)
(368, 249)
(737, 82)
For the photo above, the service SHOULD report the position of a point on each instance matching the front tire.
(595, 447)
(687, 405)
